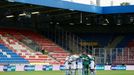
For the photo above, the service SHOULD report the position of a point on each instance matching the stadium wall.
(59, 67)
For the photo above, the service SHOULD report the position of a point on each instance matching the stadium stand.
(48, 45)
(122, 51)
(125, 57)
(125, 41)
(24, 51)
(57, 55)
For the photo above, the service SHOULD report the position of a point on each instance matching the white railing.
(114, 55)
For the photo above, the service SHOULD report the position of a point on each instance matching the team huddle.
(82, 63)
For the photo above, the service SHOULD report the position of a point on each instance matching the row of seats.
(48, 45)
(45, 44)
(125, 57)
(14, 58)
(22, 50)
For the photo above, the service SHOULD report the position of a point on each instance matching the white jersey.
(90, 56)
(67, 60)
(92, 65)
(74, 60)
(79, 63)
(92, 62)
(70, 62)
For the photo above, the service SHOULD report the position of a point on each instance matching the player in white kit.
(92, 67)
(74, 58)
(79, 66)
(70, 64)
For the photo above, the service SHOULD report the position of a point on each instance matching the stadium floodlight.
(107, 20)
(71, 9)
(51, 22)
(23, 14)
(35, 12)
(81, 17)
(88, 24)
(26, 14)
(9, 16)
(104, 24)
(71, 23)
(11, 0)
(103, 21)
(118, 22)
(131, 19)
(57, 23)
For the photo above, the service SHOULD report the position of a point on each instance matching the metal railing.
(114, 55)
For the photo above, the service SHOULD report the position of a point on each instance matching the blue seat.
(15, 58)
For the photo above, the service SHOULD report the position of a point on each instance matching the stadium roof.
(70, 19)
(81, 7)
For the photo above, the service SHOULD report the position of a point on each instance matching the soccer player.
(92, 67)
(92, 63)
(79, 66)
(70, 64)
(74, 58)
(85, 60)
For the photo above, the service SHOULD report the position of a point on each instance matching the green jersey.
(85, 59)
(91, 58)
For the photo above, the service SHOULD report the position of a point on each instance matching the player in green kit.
(86, 62)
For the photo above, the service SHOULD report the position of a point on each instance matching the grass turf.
(62, 73)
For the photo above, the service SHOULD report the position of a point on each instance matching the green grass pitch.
(62, 73)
